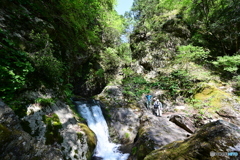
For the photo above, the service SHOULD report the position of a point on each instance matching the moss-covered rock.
(218, 136)
(216, 101)
(215, 97)
(53, 127)
(154, 133)
(17, 144)
(91, 139)
(4, 134)
(143, 146)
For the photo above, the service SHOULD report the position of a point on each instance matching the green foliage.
(127, 135)
(110, 60)
(125, 53)
(19, 109)
(14, 67)
(45, 101)
(228, 63)
(127, 71)
(41, 41)
(216, 24)
(177, 83)
(68, 90)
(197, 104)
(134, 150)
(191, 53)
(100, 72)
(187, 31)
(135, 86)
(48, 67)
(236, 80)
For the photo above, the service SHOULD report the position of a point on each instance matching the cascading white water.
(96, 122)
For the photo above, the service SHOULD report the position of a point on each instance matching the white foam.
(96, 122)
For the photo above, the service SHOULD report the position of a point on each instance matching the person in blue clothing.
(149, 99)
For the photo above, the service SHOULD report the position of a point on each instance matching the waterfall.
(104, 150)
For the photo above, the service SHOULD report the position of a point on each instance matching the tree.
(190, 53)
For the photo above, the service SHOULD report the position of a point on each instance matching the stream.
(105, 150)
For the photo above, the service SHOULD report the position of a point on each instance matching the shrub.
(14, 67)
(191, 53)
(49, 69)
(135, 86)
(45, 101)
(228, 63)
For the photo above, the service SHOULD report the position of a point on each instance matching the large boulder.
(125, 123)
(49, 125)
(17, 144)
(218, 136)
(56, 125)
(154, 133)
(183, 122)
(218, 102)
(230, 114)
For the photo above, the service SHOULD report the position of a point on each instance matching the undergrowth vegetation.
(176, 83)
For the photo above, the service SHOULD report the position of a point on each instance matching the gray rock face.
(183, 122)
(230, 115)
(72, 146)
(50, 127)
(154, 133)
(218, 136)
(8, 117)
(16, 144)
(125, 122)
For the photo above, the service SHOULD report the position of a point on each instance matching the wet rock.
(218, 136)
(183, 122)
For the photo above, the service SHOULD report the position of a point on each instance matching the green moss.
(212, 97)
(171, 151)
(211, 137)
(91, 139)
(143, 146)
(127, 135)
(134, 150)
(52, 130)
(5, 134)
